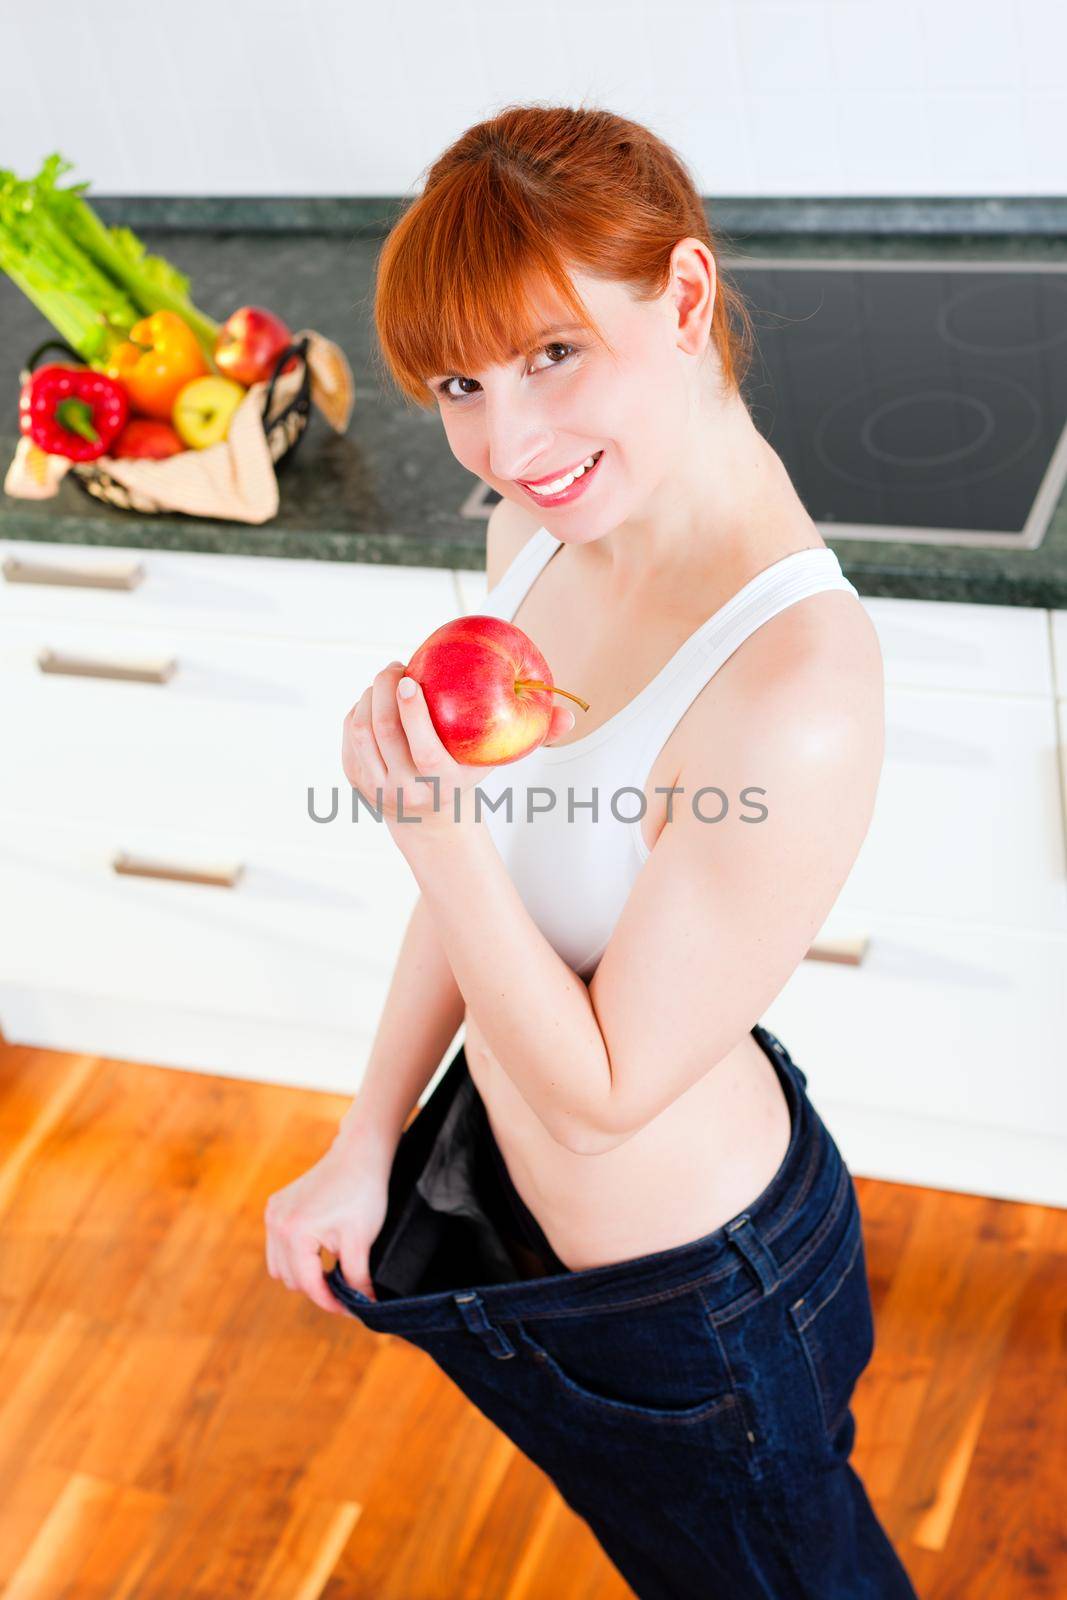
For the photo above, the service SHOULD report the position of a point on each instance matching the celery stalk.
(92, 282)
(90, 312)
(151, 281)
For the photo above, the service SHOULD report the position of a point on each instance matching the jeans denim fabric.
(692, 1404)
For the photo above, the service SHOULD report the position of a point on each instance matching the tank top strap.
(794, 578)
(505, 597)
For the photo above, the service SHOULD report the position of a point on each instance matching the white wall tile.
(795, 143)
(874, 47)
(990, 157)
(1043, 43)
(783, 45)
(804, 97)
(973, 46)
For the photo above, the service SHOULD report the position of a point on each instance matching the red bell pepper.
(72, 411)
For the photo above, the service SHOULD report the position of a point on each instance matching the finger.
(307, 1265)
(275, 1252)
(389, 732)
(355, 1270)
(360, 756)
(428, 754)
(563, 720)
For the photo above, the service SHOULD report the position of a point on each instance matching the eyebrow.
(559, 327)
(543, 333)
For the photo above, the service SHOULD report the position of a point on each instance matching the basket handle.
(299, 349)
(49, 344)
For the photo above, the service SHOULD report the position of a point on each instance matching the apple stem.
(535, 683)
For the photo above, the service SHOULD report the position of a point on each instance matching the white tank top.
(572, 866)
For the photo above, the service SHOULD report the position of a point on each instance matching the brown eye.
(556, 344)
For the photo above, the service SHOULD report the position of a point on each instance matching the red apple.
(249, 343)
(488, 690)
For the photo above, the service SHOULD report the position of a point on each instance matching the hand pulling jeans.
(691, 1405)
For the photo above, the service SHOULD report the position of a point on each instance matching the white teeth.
(564, 483)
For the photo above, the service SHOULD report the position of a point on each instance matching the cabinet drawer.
(940, 1020)
(941, 644)
(298, 936)
(230, 740)
(968, 822)
(327, 600)
(931, 644)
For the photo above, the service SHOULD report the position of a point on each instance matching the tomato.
(147, 439)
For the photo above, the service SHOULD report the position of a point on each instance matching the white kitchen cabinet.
(281, 937)
(938, 1059)
(231, 737)
(953, 645)
(968, 821)
(241, 927)
(240, 671)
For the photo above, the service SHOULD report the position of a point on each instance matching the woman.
(618, 1222)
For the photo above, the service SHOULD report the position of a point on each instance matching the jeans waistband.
(733, 1264)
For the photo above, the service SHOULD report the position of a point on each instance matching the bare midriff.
(694, 1167)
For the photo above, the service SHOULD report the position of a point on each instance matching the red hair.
(506, 211)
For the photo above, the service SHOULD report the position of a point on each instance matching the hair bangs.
(469, 283)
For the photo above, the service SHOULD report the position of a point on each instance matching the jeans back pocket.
(834, 1323)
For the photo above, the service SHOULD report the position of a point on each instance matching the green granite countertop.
(390, 490)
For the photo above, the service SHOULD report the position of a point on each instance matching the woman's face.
(569, 397)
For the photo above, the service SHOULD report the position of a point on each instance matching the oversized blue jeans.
(691, 1405)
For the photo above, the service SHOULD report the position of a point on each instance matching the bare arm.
(423, 1010)
(425, 1006)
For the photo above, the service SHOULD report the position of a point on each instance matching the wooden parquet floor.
(175, 1424)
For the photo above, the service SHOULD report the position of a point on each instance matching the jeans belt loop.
(743, 1233)
(472, 1309)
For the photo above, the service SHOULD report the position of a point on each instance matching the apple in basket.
(203, 410)
(249, 343)
(488, 690)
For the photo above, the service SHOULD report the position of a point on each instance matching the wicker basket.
(283, 431)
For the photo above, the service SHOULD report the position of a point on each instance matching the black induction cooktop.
(909, 400)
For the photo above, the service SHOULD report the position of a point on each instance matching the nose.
(518, 437)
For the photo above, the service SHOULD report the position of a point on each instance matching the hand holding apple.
(388, 745)
(393, 754)
(489, 691)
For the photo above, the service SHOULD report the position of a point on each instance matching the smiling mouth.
(565, 480)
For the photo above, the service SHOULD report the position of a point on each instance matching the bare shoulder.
(509, 528)
(802, 698)
(823, 649)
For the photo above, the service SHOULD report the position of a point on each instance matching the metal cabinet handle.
(222, 876)
(148, 670)
(847, 952)
(115, 575)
